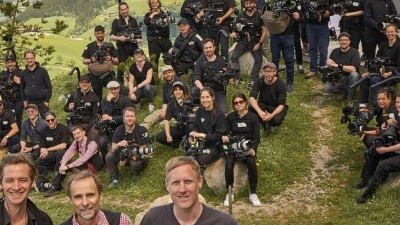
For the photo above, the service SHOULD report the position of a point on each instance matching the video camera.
(103, 51)
(317, 8)
(105, 127)
(196, 148)
(330, 74)
(241, 26)
(215, 11)
(170, 59)
(390, 19)
(161, 20)
(223, 76)
(279, 6)
(193, 9)
(375, 65)
(362, 116)
(187, 116)
(238, 147)
(387, 137)
(132, 33)
(134, 151)
(74, 117)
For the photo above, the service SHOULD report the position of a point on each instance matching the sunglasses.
(50, 120)
(31, 111)
(238, 102)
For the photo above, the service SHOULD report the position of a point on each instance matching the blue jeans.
(284, 43)
(364, 87)
(318, 40)
(343, 84)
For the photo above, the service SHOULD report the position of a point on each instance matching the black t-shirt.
(50, 138)
(6, 120)
(220, 4)
(247, 126)
(381, 117)
(349, 58)
(164, 214)
(119, 25)
(137, 133)
(141, 76)
(205, 70)
(173, 109)
(92, 47)
(392, 52)
(269, 94)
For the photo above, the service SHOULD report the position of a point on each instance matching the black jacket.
(192, 50)
(41, 217)
(375, 12)
(7, 77)
(36, 85)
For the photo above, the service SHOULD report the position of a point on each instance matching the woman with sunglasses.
(244, 127)
(176, 109)
(209, 126)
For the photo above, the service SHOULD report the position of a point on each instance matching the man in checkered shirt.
(84, 190)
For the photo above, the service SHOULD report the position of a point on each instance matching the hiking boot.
(300, 69)
(361, 200)
(226, 202)
(273, 129)
(350, 103)
(362, 184)
(289, 88)
(340, 97)
(310, 74)
(112, 184)
(151, 108)
(254, 200)
(305, 49)
(51, 192)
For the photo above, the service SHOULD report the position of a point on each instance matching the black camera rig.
(196, 148)
(132, 33)
(74, 117)
(135, 151)
(279, 6)
(375, 65)
(105, 127)
(390, 19)
(223, 76)
(316, 8)
(362, 116)
(163, 19)
(238, 147)
(241, 27)
(193, 9)
(103, 51)
(171, 59)
(187, 116)
(386, 137)
(330, 74)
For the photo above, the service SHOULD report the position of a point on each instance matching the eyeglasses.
(85, 82)
(344, 40)
(50, 120)
(31, 111)
(238, 102)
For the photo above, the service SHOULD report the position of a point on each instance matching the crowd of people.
(106, 133)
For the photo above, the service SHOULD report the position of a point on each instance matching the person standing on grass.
(85, 192)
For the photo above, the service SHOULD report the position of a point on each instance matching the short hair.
(50, 113)
(18, 158)
(74, 128)
(149, 3)
(27, 52)
(239, 95)
(129, 108)
(180, 161)
(123, 3)
(388, 94)
(79, 175)
(392, 25)
(209, 40)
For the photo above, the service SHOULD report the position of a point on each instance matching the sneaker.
(250, 84)
(350, 103)
(289, 88)
(300, 69)
(310, 74)
(112, 184)
(361, 200)
(226, 202)
(151, 108)
(282, 69)
(137, 106)
(362, 184)
(254, 200)
(51, 192)
(273, 129)
(340, 97)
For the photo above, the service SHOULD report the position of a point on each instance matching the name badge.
(241, 125)
(49, 138)
(5, 122)
(87, 104)
(356, 4)
(391, 115)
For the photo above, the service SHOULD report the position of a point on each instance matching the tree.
(60, 26)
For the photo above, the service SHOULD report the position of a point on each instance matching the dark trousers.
(381, 174)
(284, 43)
(113, 159)
(11, 142)
(177, 134)
(365, 89)
(18, 110)
(98, 84)
(371, 39)
(223, 41)
(103, 145)
(183, 68)
(297, 44)
(124, 52)
(250, 162)
(372, 162)
(60, 177)
(205, 159)
(277, 119)
(34, 154)
(51, 162)
(239, 50)
(303, 34)
(158, 46)
(148, 91)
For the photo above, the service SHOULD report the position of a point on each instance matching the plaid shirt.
(124, 219)
(84, 154)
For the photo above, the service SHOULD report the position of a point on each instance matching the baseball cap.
(344, 34)
(138, 50)
(250, 0)
(177, 83)
(98, 27)
(269, 64)
(10, 57)
(183, 20)
(113, 84)
(85, 77)
(166, 68)
(31, 106)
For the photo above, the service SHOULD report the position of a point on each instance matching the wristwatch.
(202, 135)
(6, 136)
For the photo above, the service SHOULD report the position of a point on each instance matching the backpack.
(276, 25)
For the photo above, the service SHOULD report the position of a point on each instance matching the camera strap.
(185, 43)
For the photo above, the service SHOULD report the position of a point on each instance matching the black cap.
(138, 50)
(99, 27)
(183, 20)
(85, 77)
(10, 57)
(344, 34)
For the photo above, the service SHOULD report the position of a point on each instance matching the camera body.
(317, 8)
(343, 6)
(362, 116)
(105, 127)
(170, 59)
(387, 137)
(74, 117)
(103, 51)
(193, 9)
(375, 65)
(187, 116)
(7, 90)
(134, 151)
(223, 76)
(161, 20)
(132, 33)
(238, 147)
(330, 74)
(390, 19)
